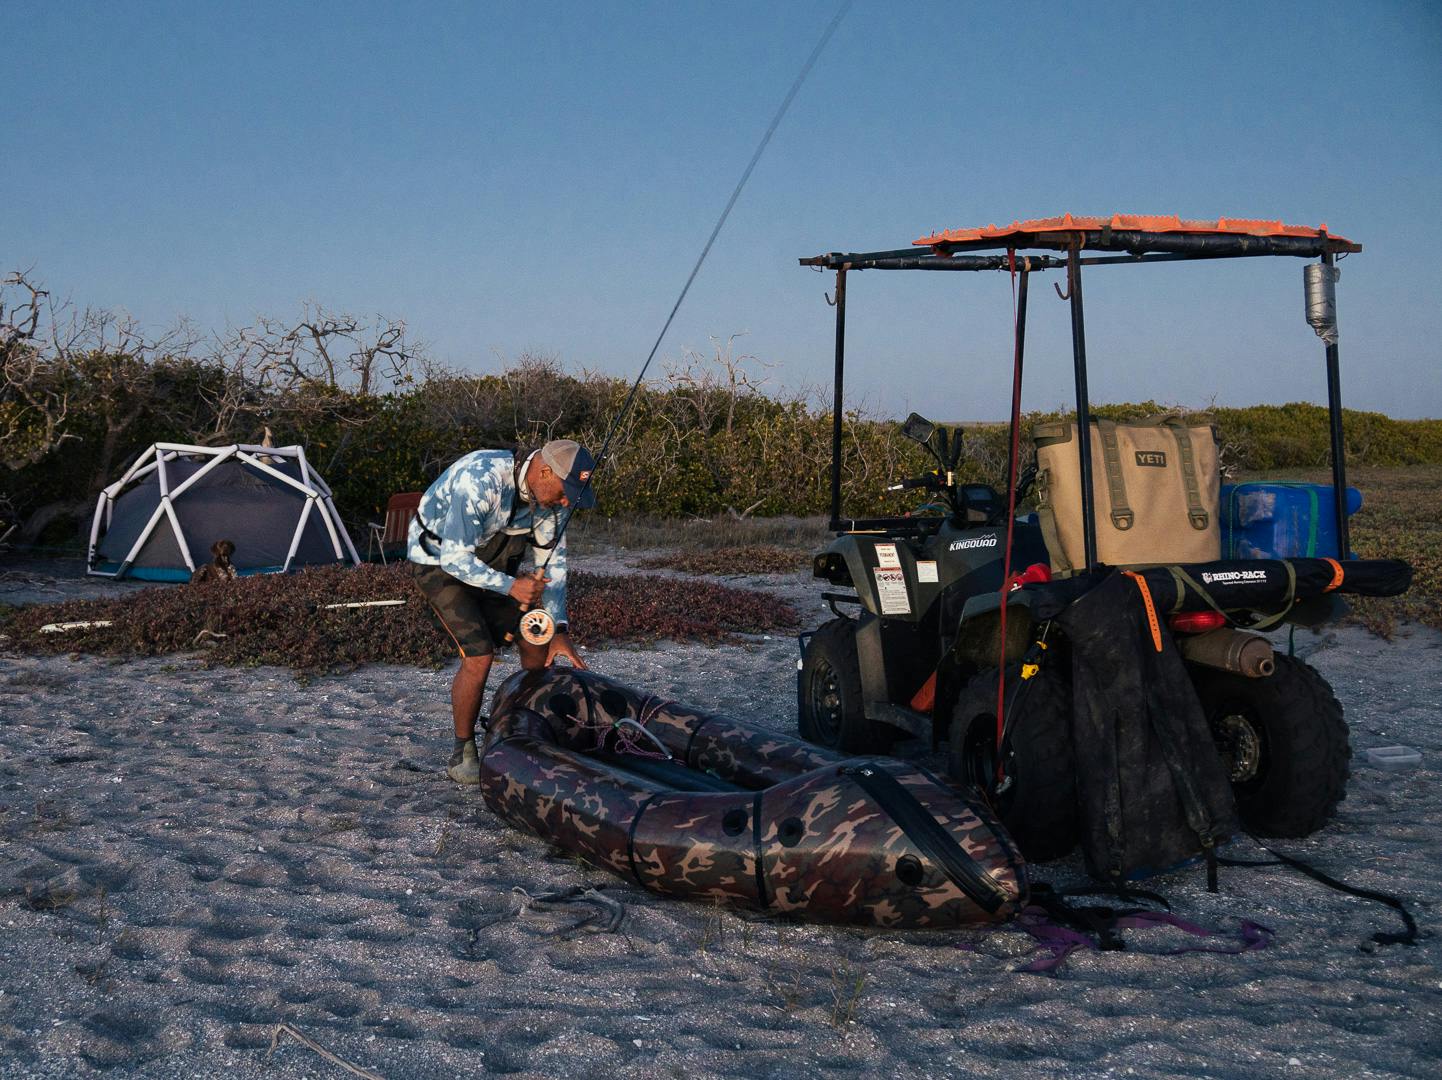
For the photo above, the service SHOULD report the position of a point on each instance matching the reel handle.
(537, 627)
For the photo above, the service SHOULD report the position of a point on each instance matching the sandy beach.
(190, 857)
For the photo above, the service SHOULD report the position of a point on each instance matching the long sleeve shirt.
(469, 504)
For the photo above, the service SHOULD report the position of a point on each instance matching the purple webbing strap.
(1059, 942)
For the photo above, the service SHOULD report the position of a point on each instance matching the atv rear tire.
(1039, 807)
(1284, 742)
(830, 710)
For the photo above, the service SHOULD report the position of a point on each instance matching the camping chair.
(392, 532)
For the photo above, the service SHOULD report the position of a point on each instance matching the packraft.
(1156, 488)
(695, 805)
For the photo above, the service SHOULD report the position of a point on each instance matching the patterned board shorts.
(478, 620)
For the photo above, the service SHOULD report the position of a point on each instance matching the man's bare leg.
(468, 693)
(533, 657)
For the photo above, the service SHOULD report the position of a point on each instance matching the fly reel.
(537, 627)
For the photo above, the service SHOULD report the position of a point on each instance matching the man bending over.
(475, 526)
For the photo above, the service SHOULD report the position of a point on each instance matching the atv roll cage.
(1124, 240)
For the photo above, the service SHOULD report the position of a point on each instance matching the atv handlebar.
(929, 482)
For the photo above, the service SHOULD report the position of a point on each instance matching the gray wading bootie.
(464, 767)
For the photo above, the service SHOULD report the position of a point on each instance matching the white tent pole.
(140, 540)
(344, 532)
(249, 459)
(328, 512)
(187, 448)
(299, 528)
(314, 478)
(272, 451)
(137, 474)
(179, 536)
(95, 533)
(160, 460)
(207, 467)
(125, 478)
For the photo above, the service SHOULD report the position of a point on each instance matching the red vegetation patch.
(646, 607)
(742, 559)
(276, 618)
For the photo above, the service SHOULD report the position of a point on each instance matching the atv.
(916, 650)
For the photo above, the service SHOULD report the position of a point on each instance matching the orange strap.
(1151, 608)
(1337, 574)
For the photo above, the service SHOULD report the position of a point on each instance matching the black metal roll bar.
(1132, 247)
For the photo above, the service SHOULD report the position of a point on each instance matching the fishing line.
(705, 251)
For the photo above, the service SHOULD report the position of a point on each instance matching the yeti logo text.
(1152, 457)
(974, 542)
(1234, 577)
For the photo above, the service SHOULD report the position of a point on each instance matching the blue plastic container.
(1281, 520)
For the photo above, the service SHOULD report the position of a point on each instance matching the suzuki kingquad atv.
(927, 596)
(914, 650)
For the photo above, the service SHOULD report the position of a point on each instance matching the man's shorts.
(477, 620)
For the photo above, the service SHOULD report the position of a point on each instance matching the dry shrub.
(276, 619)
(744, 559)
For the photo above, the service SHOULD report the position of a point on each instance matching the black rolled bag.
(1268, 586)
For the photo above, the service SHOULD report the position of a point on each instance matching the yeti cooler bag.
(1156, 492)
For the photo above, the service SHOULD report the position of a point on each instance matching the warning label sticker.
(891, 592)
(886, 557)
(926, 571)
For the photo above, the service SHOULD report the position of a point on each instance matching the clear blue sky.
(541, 176)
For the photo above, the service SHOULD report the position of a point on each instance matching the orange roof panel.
(1156, 223)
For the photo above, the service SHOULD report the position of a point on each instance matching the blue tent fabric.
(234, 501)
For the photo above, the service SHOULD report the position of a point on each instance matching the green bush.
(690, 447)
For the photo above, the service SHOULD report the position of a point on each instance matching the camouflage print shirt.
(469, 504)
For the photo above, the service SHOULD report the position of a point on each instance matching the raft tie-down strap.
(929, 836)
(1338, 574)
(631, 837)
(762, 897)
(691, 741)
(1152, 623)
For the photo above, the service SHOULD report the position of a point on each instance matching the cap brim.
(580, 496)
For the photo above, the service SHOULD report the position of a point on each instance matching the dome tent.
(158, 521)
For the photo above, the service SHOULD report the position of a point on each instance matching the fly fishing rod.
(537, 626)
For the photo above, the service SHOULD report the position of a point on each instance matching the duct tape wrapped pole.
(1320, 281)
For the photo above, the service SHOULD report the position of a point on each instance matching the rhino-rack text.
(1233, 577)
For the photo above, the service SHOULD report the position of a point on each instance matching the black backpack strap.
(928, 835)
(1095, 920)
(1408, 937)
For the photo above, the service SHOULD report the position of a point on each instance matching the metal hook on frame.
(829, 302)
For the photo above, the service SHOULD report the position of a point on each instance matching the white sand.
(189, 857)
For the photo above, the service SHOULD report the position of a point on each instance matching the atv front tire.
(830, 709)
(1039, 807)
(1284, 742)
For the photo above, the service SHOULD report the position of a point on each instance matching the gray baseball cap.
(574, 464)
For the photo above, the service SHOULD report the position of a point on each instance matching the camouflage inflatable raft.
(689, 804)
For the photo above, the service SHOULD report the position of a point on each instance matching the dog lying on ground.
(220, 569)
